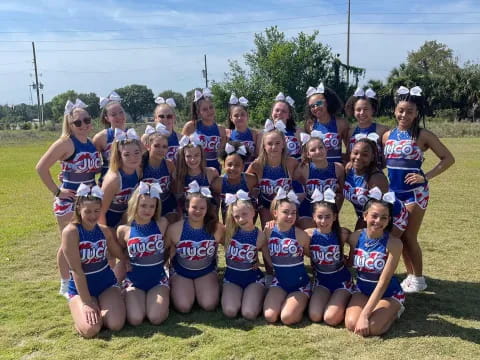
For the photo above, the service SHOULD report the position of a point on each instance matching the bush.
(26, 126)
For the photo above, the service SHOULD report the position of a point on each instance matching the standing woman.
(322, 105)
(80, 161)
(94, 298)
(363, 105)
(213, 136)
(238, 129)
(112, 117)
(404, 147)
(194, 241)
(147, 288)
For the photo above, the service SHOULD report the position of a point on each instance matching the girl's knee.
(156, 318)
(350, 322)
(290, 318)
(270, 315)
(333, 318)
(315, 315)
(208, 304)
(89, 331)
(183, 306)
(229, 310)
(115, 324)
(135, 319)
(250, 314)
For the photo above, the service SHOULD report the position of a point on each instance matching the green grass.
(443, 322)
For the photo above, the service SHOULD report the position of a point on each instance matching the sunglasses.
(169, 116)
(78, 122)
(318, 103)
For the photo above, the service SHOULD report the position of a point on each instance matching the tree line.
(292, 65)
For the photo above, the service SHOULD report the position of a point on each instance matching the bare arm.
(188, 128)
(304, 240)
(340, 173)
(223, 137)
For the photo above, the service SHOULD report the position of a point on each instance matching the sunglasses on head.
(318, 103)
(78, 122)
(169, 116)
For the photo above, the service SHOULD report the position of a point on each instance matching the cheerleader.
(80, 161)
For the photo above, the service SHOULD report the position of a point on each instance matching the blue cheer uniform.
(294, 146)
(162, 176)
(80, 167)
(210, 138)
(368, 130)
(332, 140)
(110, 136)
(356, 190)
(287, 259)
(246, 138)
(241, 258)
(119, 204)
(272, 179)
(327, 262)
(92, 246)
(195, 253)
(146, 250)
(404, 156)
(321, 179)
(369, 260)
(172, 147)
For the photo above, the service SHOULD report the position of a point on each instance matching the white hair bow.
(160, 128)
(376, 193)
(236, 101)
(291, 196)
(113, 96)
(370, 136)
(193, 139)
(193, 187)
(305, 138)
(361, 93)
(327, 196)
(85, 190)
(70, 106)
(229, 149)
(239, 195)
(170, 101)
(279, 125)
(154, 190)
(288, 99)
(201, 94)
(415, 91)
(121, 135)
(320, 89)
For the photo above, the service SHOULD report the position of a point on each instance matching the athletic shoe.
(414, 285)
(406, 280)
(63, 288)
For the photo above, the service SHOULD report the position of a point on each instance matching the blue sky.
(97, 46)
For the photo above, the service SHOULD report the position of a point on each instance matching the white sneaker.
(414, 285)
(63, 288)
(405, 281)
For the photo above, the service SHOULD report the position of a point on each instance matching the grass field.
(443, 322)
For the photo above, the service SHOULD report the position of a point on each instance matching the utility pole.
(348, 46)
(43, 117)
(37, 85)
(204, 71)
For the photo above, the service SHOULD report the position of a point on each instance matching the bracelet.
(58, 192)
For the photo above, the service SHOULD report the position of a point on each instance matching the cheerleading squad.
(148, 233)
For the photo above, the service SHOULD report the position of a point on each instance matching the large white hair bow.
(121, 135)
(239, 195)
(305, 138)
(290, 196)
(376, 193)
(154, 190)
(85, 190)
(113, 96)
(415, 91)
(201, 94)
(193, 187)
(368, 93)
(70, 106)
(288, 99)
(159, 128)
(320, 89)
(370, 136)
(236, 101)
(193, 139)
(279, 125)
(170, 101)
(229, 149)
(327, 196)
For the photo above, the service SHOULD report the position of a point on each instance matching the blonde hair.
(277, 202)
(159, 106)
(67, 121)
(133, 207)
(182, 167)
(115, 156)
(263, 156)
(104, 113)
(231, 226)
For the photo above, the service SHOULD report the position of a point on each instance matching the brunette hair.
(230, 123)
(372, 167)
(79, 201)
(115, 156)
(291, 123)
(389, 206)
(104, 113)
(236, 144)
(182, 167)
(334, 104)
(352, 100)
(419, 101)
(210, 221)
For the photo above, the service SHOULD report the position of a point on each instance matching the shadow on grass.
(425, 312)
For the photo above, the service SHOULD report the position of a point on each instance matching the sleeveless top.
(355, 190)
(368, 130)
(403, 156)
(241, 254)
(81, 166)
(128, 183)
(325, 253)
(332, 140)
(294, 146)
(246, 138)
(321, 179)
(172, 147)
(110, 135)
(272, 179)
(287, 259)
(159, 175)
(210, 138)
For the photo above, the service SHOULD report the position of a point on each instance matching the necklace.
(370, 243)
